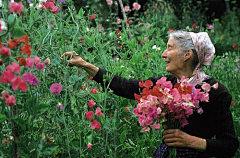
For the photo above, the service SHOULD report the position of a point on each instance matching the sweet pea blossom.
(10, 101)
(89, 115)
(95, 125)
(109, 2)
(5, 52)
(40, 66)
(16, 7)
(94, 91)
(210, 27)
(61, 1)
(5, 95)
(60, 107)
(89, 146)
(98, 112)
(127, 9)
(118, 21)
(136, 6)
(91, 103)
(30, 78)
(14, 67)
(47, 61)
(56, 88)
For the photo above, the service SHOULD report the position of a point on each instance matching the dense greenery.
(36, 127)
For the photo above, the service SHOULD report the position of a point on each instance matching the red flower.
(233, 103)
(95, 125)
(147, 56)
(91, 78)
(127, 108)
(170, 30)
(194, 25)
(98, 112)
(26, 49)
(128, 21)
(82, 40)
(10, 101)
(234, 46)
(117, 32)
(91, 103)
(89, 146)
(93, 16)
(5, 95)
(141, 42)
(7, 140)
(89, 115)
(22, 62)
(119, 46)
(51, 23)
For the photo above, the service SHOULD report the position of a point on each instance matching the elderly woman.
(185, 54)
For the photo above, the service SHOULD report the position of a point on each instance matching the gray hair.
(184, 42)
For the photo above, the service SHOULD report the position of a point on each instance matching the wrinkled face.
(173, 57)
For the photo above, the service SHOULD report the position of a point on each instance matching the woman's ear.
(188, 54)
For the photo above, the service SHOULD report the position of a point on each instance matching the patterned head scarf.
(205, 52)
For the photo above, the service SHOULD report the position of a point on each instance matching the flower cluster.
(50, 5)
(25, 48)
(161, 100)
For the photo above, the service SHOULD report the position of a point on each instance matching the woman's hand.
(75, 60)
(178, 138)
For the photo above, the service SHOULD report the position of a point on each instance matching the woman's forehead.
(171, 42)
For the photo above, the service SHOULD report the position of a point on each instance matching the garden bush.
(44, 101)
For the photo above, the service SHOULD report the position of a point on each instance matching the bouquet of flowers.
(165, 104)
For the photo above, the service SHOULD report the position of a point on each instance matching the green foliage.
(45, 131)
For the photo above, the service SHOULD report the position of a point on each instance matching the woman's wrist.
(198, 143)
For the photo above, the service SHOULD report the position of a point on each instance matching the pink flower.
(147, 56)
(155, 126)
(98, 112)
(210, 27)
(14, 67)
(47, 61)
(60, 107)
(145, 129)
(91, 103)
(48, 5)
(54, 10)
(118, 21)
(56, 88)
(10, 101)
(127, 9)
(89, 115)
(215, 86)
(115, 2)
(16, 7)
(40, 66)
(141, 42)
(8, 77)
(5, 95)
(37, 60)
(29, 63)
(94, 91)
(136, 6)
(6, 140)
(19, 83)
(237, 60)
(99, 28)
(93, 16)
(187, 28)
(5, 52)
(95, 125)
(89, 146)
(145, 39)
(206, 87)
(127, 108)
(109, 2)
(30, 78)
(148, 25)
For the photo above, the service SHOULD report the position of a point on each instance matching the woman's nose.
(164, 54)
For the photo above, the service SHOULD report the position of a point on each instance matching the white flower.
(39, 6)
(3, 25)
(156, 48)
(42, 0)
(122, 66)
(87, 29)
(31, 5)
(0, 3)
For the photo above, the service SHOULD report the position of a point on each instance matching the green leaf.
(2, 118)
(20, 122)
(73, 79)
(49, 148)
(89, 139)
(41, 108)
(18, 32)
(55, 62)
(123, 136)
(81, 12)
(10, 21)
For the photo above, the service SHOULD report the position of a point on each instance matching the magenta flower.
(37, 60)
(56, 88)
(89, 146)
(60, 107)
(210, 27)
(10, 101)
(98, 112)
(95, 125)
(14, 67)
(89, 115)
(30, 78)
(40, 66)
(29, 63)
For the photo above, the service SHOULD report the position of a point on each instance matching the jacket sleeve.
(226, 142)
